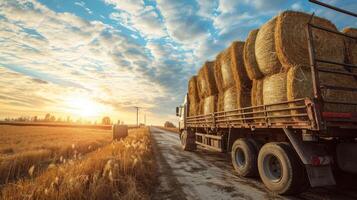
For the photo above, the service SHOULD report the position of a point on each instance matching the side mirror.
(177, 111)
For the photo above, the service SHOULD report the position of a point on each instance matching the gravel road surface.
(209, 175)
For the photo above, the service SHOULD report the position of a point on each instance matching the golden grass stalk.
(124, 169)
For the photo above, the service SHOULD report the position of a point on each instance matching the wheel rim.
(272, 168)
(240, 158)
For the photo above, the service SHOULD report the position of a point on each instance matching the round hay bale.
(257, 98)
(230, 99)
(299, 85)
(239, 72)
(250, 61)
(220, 105)
(257, 92)
(274, 91)
(210, 104)
(223, 72)
(193, 96)
(292, 44)
(243, 98)
(265, 53)
(351, 45)
(200, 107)
(206, 80)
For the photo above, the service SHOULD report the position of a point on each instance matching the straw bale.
(274, 91)
(250, 61)
(265, 53)
(292, 44)
(351, 46)
(193, 96)
(210, 104)
(230, 99)
(257, 98)
(299, 85)
(220, 106)
(230, 70)
(206, 80)
(223, 71)
(238, 69)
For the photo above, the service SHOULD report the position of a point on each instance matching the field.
(74, 163)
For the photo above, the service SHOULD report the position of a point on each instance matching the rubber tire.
(250, 153)
(187, 141)
(257, 145)
(294, 177)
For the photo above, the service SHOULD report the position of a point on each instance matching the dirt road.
(209, 175)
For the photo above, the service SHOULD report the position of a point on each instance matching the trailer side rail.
(298, 113)
(325, 119)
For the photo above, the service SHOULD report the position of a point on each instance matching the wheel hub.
(273, 168)
(240, 158)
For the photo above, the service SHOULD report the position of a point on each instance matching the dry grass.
(27, 151)
(124, 169)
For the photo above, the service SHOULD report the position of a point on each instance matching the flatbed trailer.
(290, 152)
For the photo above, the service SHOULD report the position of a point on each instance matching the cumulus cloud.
(137, 17)
(69, 52)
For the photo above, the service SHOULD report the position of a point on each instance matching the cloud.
(137, 17)
(130, 6)
(60, 48)
(83, 5)
(183, 25)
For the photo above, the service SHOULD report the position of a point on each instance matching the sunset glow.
(84, 107)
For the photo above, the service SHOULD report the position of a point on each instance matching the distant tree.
(52, 118)
(47, 117)
(169, 125)
(35, 118)
(106, 120)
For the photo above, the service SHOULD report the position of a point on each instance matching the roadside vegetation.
(27, 151)
(124, 169)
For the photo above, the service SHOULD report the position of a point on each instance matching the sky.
(104, 57)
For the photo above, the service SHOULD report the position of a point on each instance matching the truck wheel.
(280, 169)
(187, 141)
(256, 144)
(244, 158)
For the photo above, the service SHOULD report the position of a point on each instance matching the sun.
(84, 107)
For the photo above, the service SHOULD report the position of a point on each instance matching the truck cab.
(181, 112)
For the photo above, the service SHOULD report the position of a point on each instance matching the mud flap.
(320, 175)
(315, 158)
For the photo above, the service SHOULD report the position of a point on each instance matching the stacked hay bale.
(207, 89)
(273, 79)
(273, 66)
(232, 79)
(193, 97)
(254, 74)
(292, 51)
(351, 45)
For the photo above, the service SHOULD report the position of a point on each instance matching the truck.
(289, 156)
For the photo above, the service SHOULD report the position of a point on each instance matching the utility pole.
(137, 116)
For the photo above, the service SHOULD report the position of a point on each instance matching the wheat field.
(27, 151)
(70, 163)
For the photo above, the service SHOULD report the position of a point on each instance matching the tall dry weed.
(124, 169)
